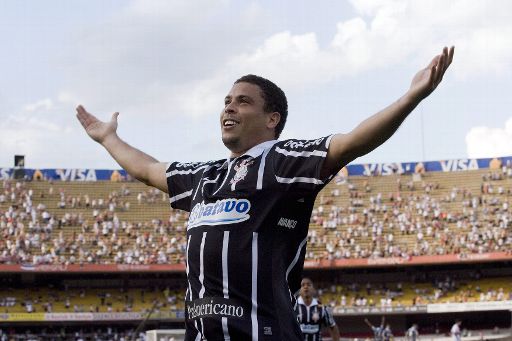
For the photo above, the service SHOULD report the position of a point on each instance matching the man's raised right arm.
(140, 165)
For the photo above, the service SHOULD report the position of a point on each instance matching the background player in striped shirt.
(312, 315)
(250, 212)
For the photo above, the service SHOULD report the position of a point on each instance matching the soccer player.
(387, 333)
(249, 213)
(312, 315)
(455, 331)
(412, 333)
(378, 331)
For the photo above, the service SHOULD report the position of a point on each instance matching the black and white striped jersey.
(312, 318)
(246, 238)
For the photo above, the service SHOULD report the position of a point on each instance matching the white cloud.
(153, 51)
(485, 142)
(173, 10)
(151, 57)
(373, 7)
(384, 34)
(67, 98)
(32, 136)
(173, 61)
(44, 104)
(489, 50)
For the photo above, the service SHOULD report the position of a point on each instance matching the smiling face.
(244, 123)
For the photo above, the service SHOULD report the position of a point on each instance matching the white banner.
(470, 306)
(92, 316)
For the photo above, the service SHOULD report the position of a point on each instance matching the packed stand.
(353, 218)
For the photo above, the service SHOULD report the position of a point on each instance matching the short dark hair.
(307, 279)
(275, 99)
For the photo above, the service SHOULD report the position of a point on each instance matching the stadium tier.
(93, 298)
(393, 217)
(401, 244)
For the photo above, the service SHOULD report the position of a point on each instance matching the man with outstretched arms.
(378, 331)
(249, 213)
(312, 315)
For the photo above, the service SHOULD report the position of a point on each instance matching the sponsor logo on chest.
(221, 212)
(310, 328)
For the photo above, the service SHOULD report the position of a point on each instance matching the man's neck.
(235, 154)
(307, 300)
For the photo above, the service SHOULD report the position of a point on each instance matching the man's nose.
(230, 108)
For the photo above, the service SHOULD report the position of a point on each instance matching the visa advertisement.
(370, 169)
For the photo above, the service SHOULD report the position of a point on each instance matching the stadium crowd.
(90, 232)
(71, 334)
(412, 221)
(353, 218)
(90, 300)
(350, 220)
(417, 290)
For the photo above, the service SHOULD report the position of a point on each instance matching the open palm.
(427, 79)
(96, 129)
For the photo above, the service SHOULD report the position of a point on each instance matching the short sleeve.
(328, 317)
(298, 164)
(181, 181)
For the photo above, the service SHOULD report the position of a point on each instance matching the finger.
(86, 117)
(431, 75)
(434, 62)
(442, 69)
(432, 67)
(439, 70)
(81, 115)
(450, 54)
(447, 57)
(114, 117)
(446, 60)
(81, 112)
(81, 120)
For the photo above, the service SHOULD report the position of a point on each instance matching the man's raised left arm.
(376, 129)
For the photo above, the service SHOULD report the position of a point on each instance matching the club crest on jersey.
(316, 316)
(221, 212)
(241, 171)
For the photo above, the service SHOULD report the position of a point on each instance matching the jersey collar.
(258, 149)
(314, 301)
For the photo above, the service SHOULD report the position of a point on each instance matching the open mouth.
(229, 123)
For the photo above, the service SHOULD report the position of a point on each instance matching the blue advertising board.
(353, 169)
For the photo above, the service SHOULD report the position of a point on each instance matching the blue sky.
(167, 65)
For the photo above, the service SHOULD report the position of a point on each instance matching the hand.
(96, 129)
(427, 79)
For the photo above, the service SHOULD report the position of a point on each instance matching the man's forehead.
(306, 280)
(245, 89)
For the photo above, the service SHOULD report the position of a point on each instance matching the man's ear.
(273, 119)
